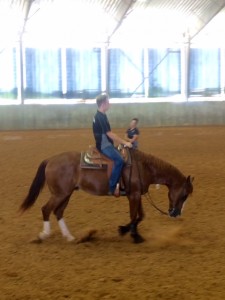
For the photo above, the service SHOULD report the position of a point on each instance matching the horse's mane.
(150, 160)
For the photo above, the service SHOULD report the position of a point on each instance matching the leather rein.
(147, 195)
(150, 200)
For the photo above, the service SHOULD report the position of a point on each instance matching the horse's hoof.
(70, 238)
(138, 239)
(123, 230)
(43, 235)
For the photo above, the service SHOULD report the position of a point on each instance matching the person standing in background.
(132, 133)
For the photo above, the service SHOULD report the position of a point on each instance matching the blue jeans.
(114, 155)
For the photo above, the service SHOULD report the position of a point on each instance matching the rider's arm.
(117, 139)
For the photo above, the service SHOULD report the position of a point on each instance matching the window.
(43, 73)
(8, 73)
(126, 75)
(204, 72)
(164, 72)
(83, 72)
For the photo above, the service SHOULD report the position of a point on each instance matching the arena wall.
(31, 117)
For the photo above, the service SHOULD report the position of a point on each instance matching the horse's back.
(64, 174)
(62, 171)
(62, 160)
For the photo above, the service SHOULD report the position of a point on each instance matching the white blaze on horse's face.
(182, 207)
(177, 203)
(179, 197)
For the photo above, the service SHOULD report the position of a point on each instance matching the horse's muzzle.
(174, 212)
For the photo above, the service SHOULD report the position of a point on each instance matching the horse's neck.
(162, 172)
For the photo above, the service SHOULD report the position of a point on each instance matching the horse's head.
(178, 195)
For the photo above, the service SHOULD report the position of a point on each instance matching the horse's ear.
(190, 179)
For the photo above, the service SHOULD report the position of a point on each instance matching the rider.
(105, 139)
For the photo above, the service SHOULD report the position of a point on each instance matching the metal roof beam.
(26, 8)
(209, 19)
(124, 13)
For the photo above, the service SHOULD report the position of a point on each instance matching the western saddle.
(93, 159)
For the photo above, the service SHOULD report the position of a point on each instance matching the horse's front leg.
(123, 229)
(135, 221)
(136, 216)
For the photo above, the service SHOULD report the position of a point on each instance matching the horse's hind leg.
(58, 205)
(46, 211)
(58, 211)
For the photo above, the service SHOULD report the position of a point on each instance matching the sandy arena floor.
(181, 258)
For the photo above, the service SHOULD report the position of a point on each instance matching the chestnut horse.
(63, 175)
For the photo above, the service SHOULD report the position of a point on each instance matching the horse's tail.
(35, 188)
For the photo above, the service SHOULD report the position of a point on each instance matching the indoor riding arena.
(174, 84)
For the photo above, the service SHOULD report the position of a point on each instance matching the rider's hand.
(128, 144)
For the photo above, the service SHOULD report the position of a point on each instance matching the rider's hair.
(101, 99)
